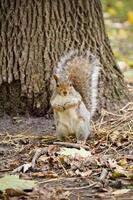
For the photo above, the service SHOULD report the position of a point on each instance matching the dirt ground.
(15, 125)
(60, 179)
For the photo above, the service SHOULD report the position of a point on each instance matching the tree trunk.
(34, 34)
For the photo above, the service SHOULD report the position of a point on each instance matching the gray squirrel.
(74, 97)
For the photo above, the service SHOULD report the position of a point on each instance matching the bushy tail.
(95, 65)
(82, 68)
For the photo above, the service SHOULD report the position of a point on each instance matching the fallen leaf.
(122, 191)
(104, 174)
(43, 158)
(83, 174)
(123, 162)
(114, 137)
(48, 174)
(14, 193)
(117, 169)
(13, 182)
(73, 152)
(24, 168)
(116, 174)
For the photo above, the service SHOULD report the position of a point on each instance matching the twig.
(38, 153)
(80, 188)
(65, 171)
(129, 157)
(70, 188)
(103, 175)
(5, 170)
(114, 114)
(74, 145)
(101, 121)
(109, 148)
(94, 126)
(129, 103)
(55, 179)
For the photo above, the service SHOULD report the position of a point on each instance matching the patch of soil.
(61, 179)
(15, 125)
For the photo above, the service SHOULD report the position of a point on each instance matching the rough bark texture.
(34, 34)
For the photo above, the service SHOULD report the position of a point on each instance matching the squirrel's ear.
(56, 78)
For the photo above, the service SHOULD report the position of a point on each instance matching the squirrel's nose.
(65, 93)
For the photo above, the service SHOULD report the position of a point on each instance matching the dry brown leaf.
(83, 174)
(73, 152)
(118, 170)
(122, 191)
(43, 158)
(48, 174)
(115, 136)
(15, 193)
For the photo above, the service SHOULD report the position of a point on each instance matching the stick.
(79, 188)
(56, 179)
(65, 171)
(38, 153)
(74, 145)
(103, 175)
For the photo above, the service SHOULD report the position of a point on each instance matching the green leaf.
(14, 182)
(116, 174)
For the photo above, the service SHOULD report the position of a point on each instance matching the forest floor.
(27, 148)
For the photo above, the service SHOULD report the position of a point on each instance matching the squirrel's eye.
(58, 85)
(70, 84)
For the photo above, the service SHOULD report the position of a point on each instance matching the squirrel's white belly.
(69, 118)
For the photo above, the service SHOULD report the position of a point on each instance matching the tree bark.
(34, 34)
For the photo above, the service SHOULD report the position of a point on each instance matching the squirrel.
(74, 98)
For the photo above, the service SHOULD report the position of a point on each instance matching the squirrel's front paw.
(59, 108)
(69, 105)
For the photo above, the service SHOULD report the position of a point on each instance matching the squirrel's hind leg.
(82, 131)
(61, 131)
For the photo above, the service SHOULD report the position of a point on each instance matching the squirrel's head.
(63, 86)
